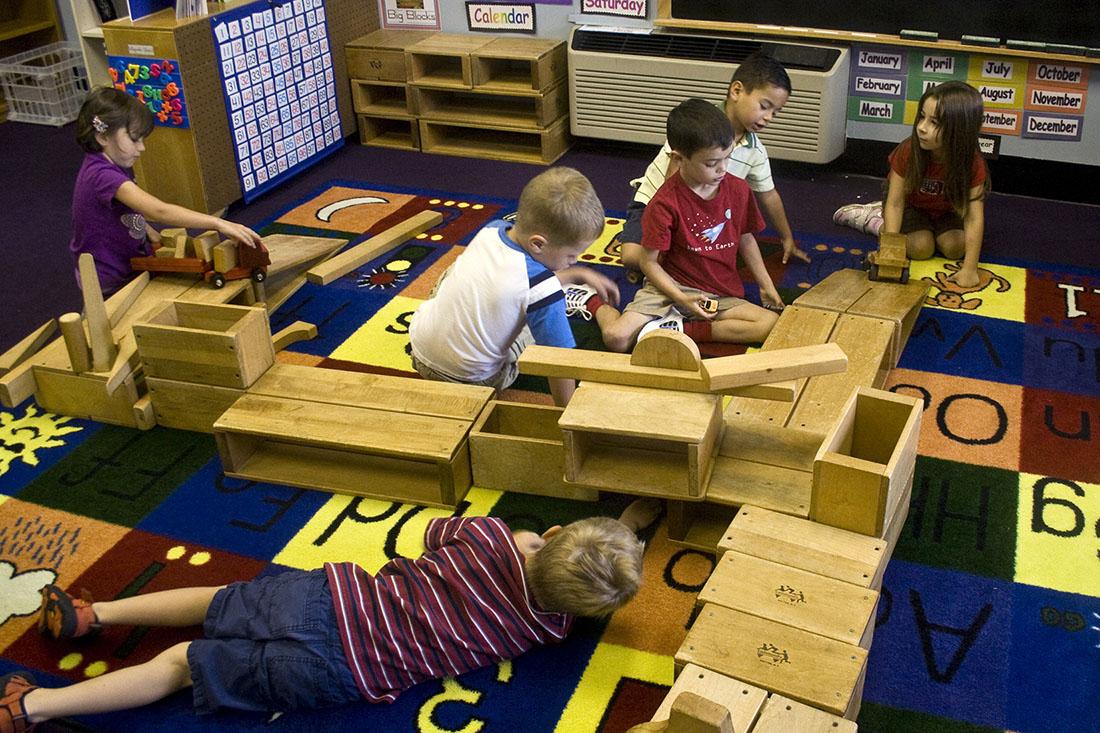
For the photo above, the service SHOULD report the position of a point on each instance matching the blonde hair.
(589, 568)
(561, 205)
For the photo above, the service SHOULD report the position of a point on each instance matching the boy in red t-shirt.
(692, 231)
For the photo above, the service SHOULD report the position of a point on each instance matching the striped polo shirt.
(460, 606)
(748, 161)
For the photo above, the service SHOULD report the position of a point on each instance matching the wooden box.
(519, 65)
(800, 543)
(641, 441)
(389, 131)
(805, 600)
(462, 105)
(865, 465)
(496, 142)
(189, 406)
(380, 98)
(743, 700)
(443, 59)
(813, 669)
(224, 345)
(381, 54)
(518, 447)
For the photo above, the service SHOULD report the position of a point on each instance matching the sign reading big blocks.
(276, 71)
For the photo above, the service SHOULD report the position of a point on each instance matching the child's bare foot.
(641, 513)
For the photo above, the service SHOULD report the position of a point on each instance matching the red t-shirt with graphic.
(930, 195)
(697, 238)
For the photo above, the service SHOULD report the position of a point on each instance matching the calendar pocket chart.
(275, 64)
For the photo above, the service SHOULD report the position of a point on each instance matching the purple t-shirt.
(102, 226)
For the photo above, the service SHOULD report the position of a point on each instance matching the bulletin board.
(276, 68)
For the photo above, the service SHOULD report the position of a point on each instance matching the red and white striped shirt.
(460, 606)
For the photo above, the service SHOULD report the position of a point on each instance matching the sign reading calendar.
(276, 69)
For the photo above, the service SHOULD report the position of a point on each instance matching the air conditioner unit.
(622, 85)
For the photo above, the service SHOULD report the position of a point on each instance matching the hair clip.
(98, 124)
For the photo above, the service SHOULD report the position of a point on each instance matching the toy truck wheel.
(259, 275)
(219, 280)
(904, 275)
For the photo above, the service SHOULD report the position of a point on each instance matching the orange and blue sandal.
(13, 689)
(63, 616)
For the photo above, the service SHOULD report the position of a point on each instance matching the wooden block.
(771, 445)
(807, 601)
(737, 482)
(774, 365)
(443, 59)
(866, 341)
(389, 131)
(668, 350)
(898, 303)
(26, 348)
(377, 245)
(609, 429)
(837, 292)
(492, 139)
(99, 325)
(143, 413)
(125, 297)
(203, 245)
(76, 342)
(84, 396)
(741, 700)
(518, 65)
(173, 242)
(519, 447)
(292, 334)
(187, 405)
(381, 53)
(799, 543)
(866, 462)
(225, 256)
(164, 252)
(225, 345)
(693, 713)
(784, 715)
(809, 668)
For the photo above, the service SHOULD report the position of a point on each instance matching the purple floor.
(40, 164)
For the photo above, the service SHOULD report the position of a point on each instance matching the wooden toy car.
(890, 261)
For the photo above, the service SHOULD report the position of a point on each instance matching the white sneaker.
(672, 322)
(575, 298)
(866, 218)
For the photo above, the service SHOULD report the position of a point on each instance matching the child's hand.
(790, 249)
(641, 513)
(695, 307)
(605, 287)
(238, 232)
(770, 299)
(965, 277)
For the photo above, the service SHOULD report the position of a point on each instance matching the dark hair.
(759, 70)
(696, 124)
(959, 110)
(116, 109)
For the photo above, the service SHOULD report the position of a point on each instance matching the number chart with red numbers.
(276, 70)
(156, 82)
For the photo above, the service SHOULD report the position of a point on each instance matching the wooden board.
(784, 715)
(736, 482)
(743, 701)
(749, 440)
(838, 292)
(290, 251)
(791, 596)
(812, 669)
(377, 245)
(680, 417)
(773, 365)
(800, 543)
(28, 346)
(897, 303)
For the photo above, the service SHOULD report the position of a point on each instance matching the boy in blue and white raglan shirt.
(505, 291)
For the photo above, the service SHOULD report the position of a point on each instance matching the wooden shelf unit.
(89, 26)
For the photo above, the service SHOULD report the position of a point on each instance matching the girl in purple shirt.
(110, 211)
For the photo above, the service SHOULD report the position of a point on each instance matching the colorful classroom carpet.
(989, 612)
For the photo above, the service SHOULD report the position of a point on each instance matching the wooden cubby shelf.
(477, 140)
(389, 131)
(451, 105)
(380, 97)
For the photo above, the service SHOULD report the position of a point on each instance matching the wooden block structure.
(865, 465)
(385, 437)
(460, 94)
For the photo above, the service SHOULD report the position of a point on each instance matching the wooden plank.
(292, 334)
(292, 251)
(99, 327)
(774, 365)
(31, 343)
(812, 669)
(804, 600)
(784, 715)
(187, 405)
(736, 482)
(377, 245)
(742, 700)
(646, 413)
(350, 429)
(837, 292)
(800, 543)
(375, 391)
(125, 297)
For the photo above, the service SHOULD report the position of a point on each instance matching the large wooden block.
(866, 463)
(784, 715)
(742, 700)
(641, 441)
(85, 396)
(224, 345)
(807, 601)
(187, 405)
(518, 447)
(443, 59)
(519, 65)
(799, 543)
(813, 669)
(381, 54)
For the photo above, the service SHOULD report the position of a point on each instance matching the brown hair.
(959, 109)
(115, 109)
(589, 568)
(561, 205)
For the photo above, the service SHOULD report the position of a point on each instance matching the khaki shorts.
(650, 301)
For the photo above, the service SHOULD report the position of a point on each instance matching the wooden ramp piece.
(838, 292)
(26, 348)
(366, 251)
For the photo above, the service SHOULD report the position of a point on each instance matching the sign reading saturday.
(500, 17)
(629, 8)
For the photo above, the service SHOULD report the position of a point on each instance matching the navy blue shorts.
(272, 644)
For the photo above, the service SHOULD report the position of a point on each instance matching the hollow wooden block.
(800, 543)
(866, 463)
(813, 669)
(443, 59)
(784, 715)
(516, 65)
(807, 601)
(187, 405)
(742, 700)
(86, 396)
(381, 54)
(224, 345)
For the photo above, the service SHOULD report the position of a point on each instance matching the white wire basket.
(45, 85)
